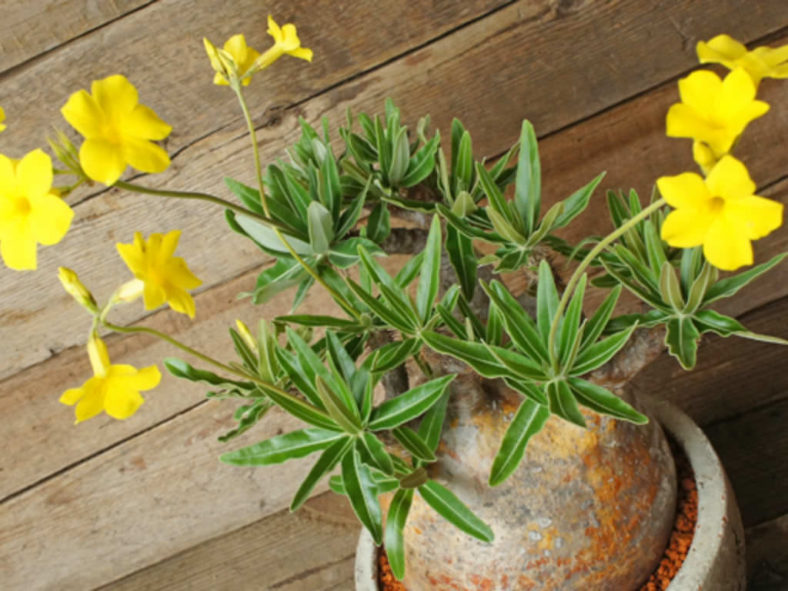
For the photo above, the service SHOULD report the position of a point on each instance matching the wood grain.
(32, 28)
(312, 549)
(767, 555)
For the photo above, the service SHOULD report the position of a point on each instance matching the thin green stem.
(264, 202)
(601, 245)
(199, 196)
(206, 358)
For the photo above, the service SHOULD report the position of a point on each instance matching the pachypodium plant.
(326, 214)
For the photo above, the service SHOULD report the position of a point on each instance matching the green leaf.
(379, 223)
(338, 408)
(669, 287)
(504, 227)
(569, 335)
(302, 378)
(408, 405)
(448, 506)
(528, 183)
(691, 261)
(377, 452)
(697, 291)
(562, 402)
(730, 285)
(519, 325)
(414, 444)
(546, 301)
(390, 317)
(576, 203)
(409, 270)
(345, 254)
(281, 448)
(462, 165)
(352, 214)
(429, 281)
(400, 157)
(392, 355)
(520, 365)
(431, 425)
(712, 321)
(316, 320)
(605, 402)
(325, 463)
(389, 288)
(474, 354)
(654, 248)
(361, 490)
(395, 524)
(597, 354)
(183, 370)
(268, 239)
(493, 193)
(283, 275)
(528, 421)
(682, 340)
(422, 163)
(599, 320)
(301, 410)
(463, 260)
(321, 229)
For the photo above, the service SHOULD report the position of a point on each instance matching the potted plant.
(470, 372)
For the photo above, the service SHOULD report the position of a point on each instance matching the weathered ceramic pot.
(715, 559)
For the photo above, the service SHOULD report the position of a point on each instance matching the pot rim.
(717, 510)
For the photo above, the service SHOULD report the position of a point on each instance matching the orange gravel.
(675, 553)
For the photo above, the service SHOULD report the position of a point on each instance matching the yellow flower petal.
(683, 121)
(735, 96)
(722, 49)
(122, 402)
(50, 218)
(19, 253)
(180, 301)
(757, 216)
(699, 90)
(99, 356)
(685, 228)
(145, 378)
(145, 156)
(72, 396)
(166, 245)
(274, 30)
(142, 122)
(729, 179)
(2, 118)
(726, 247)
(116, 96)
(102, 160)
(153, 295)
(181, 276)
(684, 190)
(83, 114)
(302, 53)
(91, 404)
(34, 173)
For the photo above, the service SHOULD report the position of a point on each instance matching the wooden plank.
(31, 28)
(476, 65)
(767, 555)
(45, 414)
(312, 549)
(733, 375)
(753, 448)
(205, 119)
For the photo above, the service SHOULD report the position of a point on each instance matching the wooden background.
(144, 504)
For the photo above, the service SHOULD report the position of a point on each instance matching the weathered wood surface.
(98, 502)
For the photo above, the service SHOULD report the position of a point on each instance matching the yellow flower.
(720, 212)
(2, 118)
(243, 58)
(113, 388)
(761, 62)
(714, 111)
(286, 41)
(117, 130)
(165, 278)
(31, 211)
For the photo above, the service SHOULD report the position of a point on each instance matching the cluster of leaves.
(677, 284)
(317, 200)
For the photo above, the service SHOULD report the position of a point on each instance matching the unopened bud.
(246, 335)
(77, 290)
(129, 291)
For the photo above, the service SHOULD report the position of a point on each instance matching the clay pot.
(715, 559)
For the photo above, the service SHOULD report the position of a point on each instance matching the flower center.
(22, 206)
(716, 204)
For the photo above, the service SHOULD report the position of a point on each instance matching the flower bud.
(77, 290)
(246, 335)
(129, 291)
